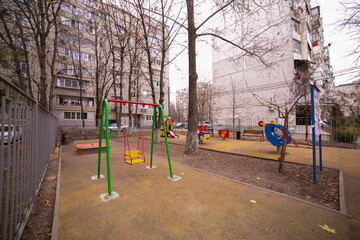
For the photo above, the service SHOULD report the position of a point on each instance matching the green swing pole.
(166, 141)
(152, 136)
(105, 107)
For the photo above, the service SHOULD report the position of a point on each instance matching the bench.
(253, 133)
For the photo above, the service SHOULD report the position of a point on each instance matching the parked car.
(207, 124)
(9, 138)
(179, 125)
(113, 127)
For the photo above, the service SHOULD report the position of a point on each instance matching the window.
(19, 43)
(65, 21)
(61, 82)
(296, 46)
(132, 94)
(148, 117)
(93, 59)
(303, 115)
(74, 84)
(23, 66)
(66, 7)
(75, 115)
(25, 22)
(84, 57)
(75, 55)
(155, 30)
(155, 72)
(295, 26)
(155, 51)
(82, 27)
(156, 62)
(67, 83)
(66, 52)
(155, 40)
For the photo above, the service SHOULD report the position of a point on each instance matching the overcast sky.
(339, 50)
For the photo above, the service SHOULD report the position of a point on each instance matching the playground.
(206, 203)
(230, 190)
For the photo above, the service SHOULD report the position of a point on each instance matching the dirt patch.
(296, 181)
(39, 225)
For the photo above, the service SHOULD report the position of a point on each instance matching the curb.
(342, 204)
(55, 226)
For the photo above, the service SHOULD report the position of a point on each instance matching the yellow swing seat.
(133, 156)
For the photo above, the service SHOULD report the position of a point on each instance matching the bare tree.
(15, 44)
(101, 74)
(41, 17)
(297, 92)
(78, 59)
(250, 43)
(118, 40)
(351, 22)
(158, 30)
(350, 100)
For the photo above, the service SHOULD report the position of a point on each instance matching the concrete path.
(340, 158)
(199, 206)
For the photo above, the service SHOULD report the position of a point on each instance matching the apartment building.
(101, 52)
(288, 36)
(87, 18)
(320, 56)
(182, 102)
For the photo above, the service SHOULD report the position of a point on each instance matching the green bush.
(343, 136)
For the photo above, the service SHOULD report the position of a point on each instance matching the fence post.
(354, 136)
(331, 130)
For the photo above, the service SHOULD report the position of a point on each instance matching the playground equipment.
(134, 156)
(169, 126)
(104, 109)
(202, 133)
(224, 133)
(89, 148)
(316, 123)
(271, 135)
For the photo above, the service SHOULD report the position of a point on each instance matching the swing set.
(130, 156)
(134, 156)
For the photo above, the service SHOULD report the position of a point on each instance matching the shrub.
(343, 136)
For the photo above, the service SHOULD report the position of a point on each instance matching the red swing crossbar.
(133, 156)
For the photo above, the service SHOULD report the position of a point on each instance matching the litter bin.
(238, 134)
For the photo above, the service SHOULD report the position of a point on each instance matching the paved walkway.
(200, 205)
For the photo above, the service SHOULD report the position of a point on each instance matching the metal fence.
(28, 136)
(337, 131)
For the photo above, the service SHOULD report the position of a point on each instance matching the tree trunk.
(283, 147)
(192, 146)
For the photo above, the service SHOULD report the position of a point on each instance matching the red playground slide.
(172, 134)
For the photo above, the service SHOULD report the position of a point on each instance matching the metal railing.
(337, 131)
(28, 136)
